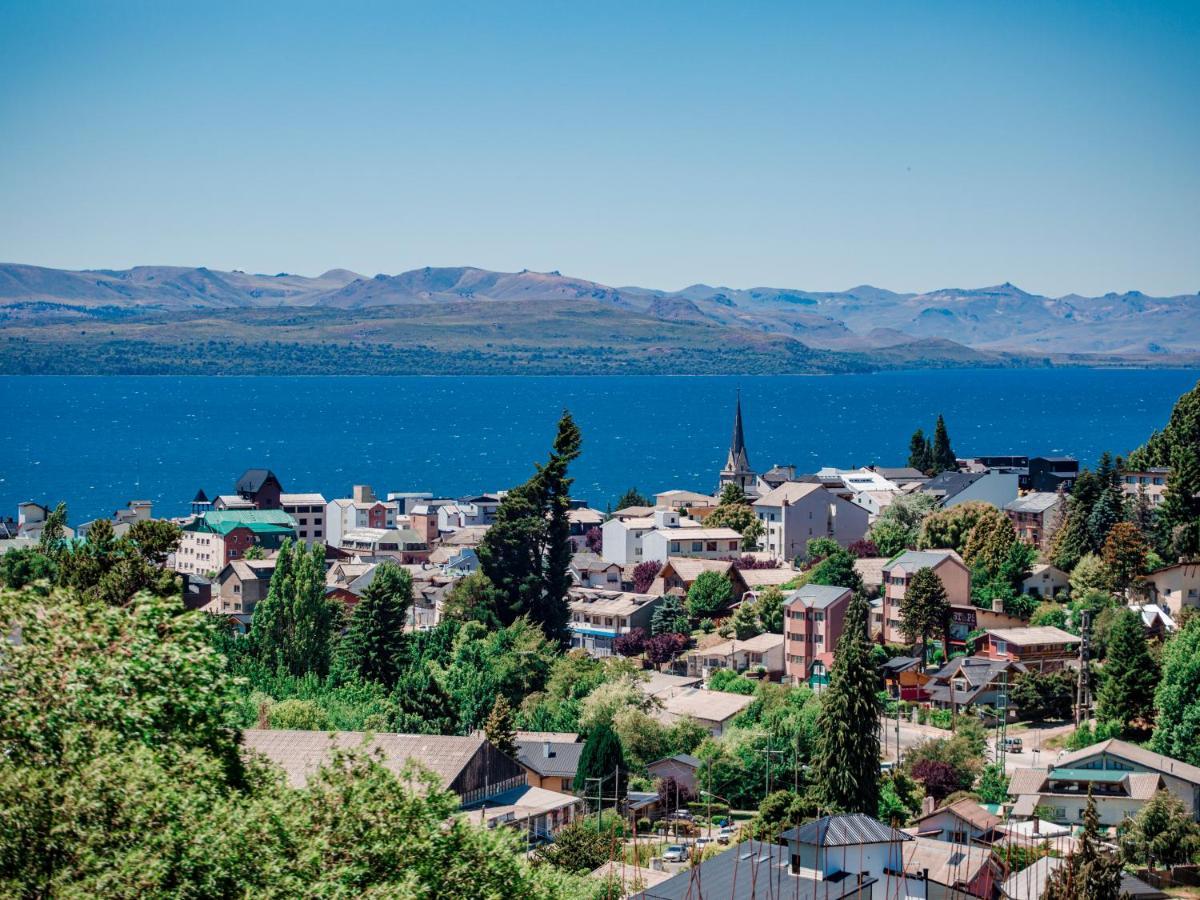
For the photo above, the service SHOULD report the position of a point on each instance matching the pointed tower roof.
(738, 460)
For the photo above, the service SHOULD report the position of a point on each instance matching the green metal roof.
(1108, 775)
(259, 521)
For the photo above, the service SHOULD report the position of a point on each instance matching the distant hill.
(525, 320)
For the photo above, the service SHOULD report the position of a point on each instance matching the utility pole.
(1002, 719)
(767, 751)
(1083, 689)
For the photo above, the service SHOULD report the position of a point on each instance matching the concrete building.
(946, 564)
(1151, 482)
(705, 543)
(309, 512)
(712, 710)
(763, 650)
(599, 617)
(1034, 517)
(238, 588)
(211, 541)
(812, 624)
(361, 510)
(376, 544)
(1174, 587)
(796, 512)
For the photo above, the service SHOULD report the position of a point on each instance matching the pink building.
(812, 625)
(946, 564)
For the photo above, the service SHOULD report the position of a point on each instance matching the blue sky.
(912, 146)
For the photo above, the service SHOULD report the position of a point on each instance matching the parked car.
(1013, 745)
(725, 835)
(676, 853)
(701, 843)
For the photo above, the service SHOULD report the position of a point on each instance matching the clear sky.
(811, 145)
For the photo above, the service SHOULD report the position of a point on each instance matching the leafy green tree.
(891, 538)
(1090, 574)
(1049, 613)
(472, 598)
(1090, 873)
(527, 552)
(943, 455)
(374, 643)
(22, 566)
(1162, 834)
(580, 847)
(925, 608)
(732, 495)
(837, 570)
(299, 715)
(899, 525)
(422, 703)
(1038, 696)
(632, 497)
(730, 682)
(989, 541)
(1177, 699)
(500, 728)
(1182, 430)
(949, 529)
(847, 757)
(293, 626)
(1129, 677)
(113, 569)
(817, 549)
(709, 595)
(993, 785)
(779, 811)
(602, 769)
(669, 617)
(738, 516)
(770, 610)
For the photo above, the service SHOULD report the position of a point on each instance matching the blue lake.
(98, 442)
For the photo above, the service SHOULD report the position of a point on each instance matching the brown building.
(1044, 648)
(239, 587)
(1034, 517)
(260, 487)
(550, 764)
(946, 564)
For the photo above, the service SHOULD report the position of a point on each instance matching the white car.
(675, 853)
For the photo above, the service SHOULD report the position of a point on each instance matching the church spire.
(737, 465)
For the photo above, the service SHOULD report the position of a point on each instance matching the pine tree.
(1177, 519)
(669, 617)
(269, 630)
(925, 609)
(500, 728)
(943, 455)
(1182, 430)
(1108, 510)
(1090, 873)
(745, 621)
(1129, 676)
(632, 497)
(847, 754)
(374, 642)
(1124, 553)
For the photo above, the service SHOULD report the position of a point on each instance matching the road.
(1031, 755)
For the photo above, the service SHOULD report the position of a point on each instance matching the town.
(959, 676)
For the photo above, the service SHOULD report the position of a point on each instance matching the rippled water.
(98, 442)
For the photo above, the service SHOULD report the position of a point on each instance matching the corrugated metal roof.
(844, 831)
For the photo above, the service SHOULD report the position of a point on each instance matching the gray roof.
(845, 831)
(1030, 882)
(252, 480)
(948, 484)
(301, 753)
(1037, 502)
(686, 758)
(752, 870)
(919, 559)
(817, 596)
(563, 760)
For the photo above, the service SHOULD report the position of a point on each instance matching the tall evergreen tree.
(500, 728)
(374, 642)
(847, 753)
(925, 609)
(916, 450)
(1177, 519)
(632, 497)
(1108, 510)
(1182, 430)
(1090, 873)
(943, 455)
(1177, 700)
(669, 617)
(1129, 677)
(526, 553)
(602, 769)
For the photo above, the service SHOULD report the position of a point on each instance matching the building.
(122, 519)
(682, 501)
(200, 503)
(599, 617)
(680, 768)
(758, 580)
(796, 512)
(401, 544)
(1034, 517)
(966, 618)
(1046, 580)
(1151, 482)
(477, 510)
(238, 587)
(813, 617)
(763, 650)
(589, 570)
(550, 764)
(580, 521)
(491, 787)
(712, 710)
(993, 486)
(259, 487)
(679, 573)
(361, 510)
(309, 512)
(737, 464)
(706, 543)
(946, 564)
(968, 681)
(622, 536)
(211, 541)
(1174, 587)
(1030, 883)
(1044, 648)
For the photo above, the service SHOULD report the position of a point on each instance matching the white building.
(697, 541)
(623, 537)
(362, 510)
(797, 512)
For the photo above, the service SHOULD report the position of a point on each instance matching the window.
(697, 546)
(733, 545)
(674, 546)
(818, 639)
(237, 588)
(1000, 646)
(819, 616)
(710, 546)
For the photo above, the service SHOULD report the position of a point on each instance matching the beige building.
(599, 617)
(1174, 587)
(764, 650)
(309, 512)
(946, 564)
(1152, 481)
(796, 512)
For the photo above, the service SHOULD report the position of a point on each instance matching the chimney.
(928, 805)
(546, 754)
(997, 604)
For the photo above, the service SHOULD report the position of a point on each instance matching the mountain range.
(465, 319)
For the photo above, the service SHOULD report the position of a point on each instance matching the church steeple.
(737, 464)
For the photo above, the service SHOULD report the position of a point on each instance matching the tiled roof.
(1025, 780)
(845, 831)
(301, 753)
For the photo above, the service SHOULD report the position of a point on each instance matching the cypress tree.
(1129, 676)
(292, 628)
(500, 728)
(916, 450)
(847, 755)
(374, 642)
(943, 456)
(551, 608)
(601, 758)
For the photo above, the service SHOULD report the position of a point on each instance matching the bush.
(730, 682)
(298, 715)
